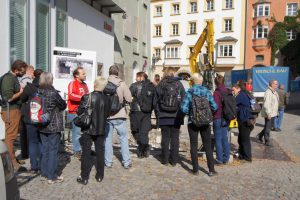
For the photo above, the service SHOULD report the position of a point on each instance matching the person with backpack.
(199, 103)
(10, 106)
(76, 89)
(117, 120)
(221, 118)
(51, 110)
(141, 107)
(243, 117)
(24, 80)
(100, 105)
(169, 94)
(33, 135)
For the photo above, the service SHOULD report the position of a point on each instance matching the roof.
(175, 41)
(226, 39)
(109, 5)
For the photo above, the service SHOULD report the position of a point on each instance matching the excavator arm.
(208, 36)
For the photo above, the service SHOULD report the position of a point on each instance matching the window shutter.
(42, 35)
(18, 30)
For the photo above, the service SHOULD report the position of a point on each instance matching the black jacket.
(159, 94)
(55, 105)
(101, 106)
(28, 91)
(136, 89)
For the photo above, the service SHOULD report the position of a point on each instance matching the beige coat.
(270, 105)
(123, 93)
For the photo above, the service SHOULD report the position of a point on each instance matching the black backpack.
(169, 100)
(200, 113)
(229, 111)
(111, 90)
(146, 97)
(1, 79)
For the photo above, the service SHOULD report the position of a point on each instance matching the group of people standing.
(168, 98)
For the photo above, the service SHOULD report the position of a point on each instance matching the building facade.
(259, 24)
(35, 27)
(176, 26)
(132, 38)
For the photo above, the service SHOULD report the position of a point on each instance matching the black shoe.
(268, 144)
(139, 152)
(259, 138)
(212, 173)
(98, 179)
(82, 181)
(194, 172)
(173, 164)
(272, 129)
(147, 151)
(277, 129)
(165, 163)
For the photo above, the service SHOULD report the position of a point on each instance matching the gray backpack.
(200, 113)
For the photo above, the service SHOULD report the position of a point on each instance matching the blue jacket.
(243, 106)
(198, 90)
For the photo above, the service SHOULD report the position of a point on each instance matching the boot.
(147, 150)
(139, 151)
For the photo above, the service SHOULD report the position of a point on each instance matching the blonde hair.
(170, 71)
(197, 78)
(100, 83)
(46, 80)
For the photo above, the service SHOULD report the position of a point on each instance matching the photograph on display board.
(66, 65)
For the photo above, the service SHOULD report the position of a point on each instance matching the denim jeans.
(278, 120)
(76, 134)
(121, 126)
(221, 138)
(50, 144)
(34, 145)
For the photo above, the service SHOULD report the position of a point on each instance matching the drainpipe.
(245, 37)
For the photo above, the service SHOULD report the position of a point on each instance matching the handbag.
(84, 120)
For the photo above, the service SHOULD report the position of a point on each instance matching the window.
(225, 50)
(176, 9)
(42, 34)
(193, 7)
(260, 58)
(291, 35)
(61, 23)
(175, 29)
(261, 32)
(292, 9)
(228, 4)
(172, 52)
(193, 27)
(18, 30)
(158, 11)
(158, 30)
(262, 10)
(157, 52)
(209, 5)
(228, 24)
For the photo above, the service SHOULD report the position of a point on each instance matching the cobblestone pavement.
(273, 174)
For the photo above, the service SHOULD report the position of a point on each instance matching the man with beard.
(11, 106)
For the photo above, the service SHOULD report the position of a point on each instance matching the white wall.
(86, 32)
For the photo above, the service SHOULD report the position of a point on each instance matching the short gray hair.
(197, 78)
(100, 83)
(271, 82)
(46, 80)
